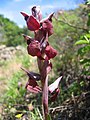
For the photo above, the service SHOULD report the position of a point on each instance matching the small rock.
(18, 48)
(2, 47)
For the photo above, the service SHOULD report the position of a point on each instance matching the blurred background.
(71, 39)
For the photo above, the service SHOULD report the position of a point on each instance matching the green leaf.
(83, 50)
(88, 22)
(86, 38)
(82, 83)
(88, 35)
(81, 42)
(83, 61)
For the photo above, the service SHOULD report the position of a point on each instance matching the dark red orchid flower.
(54, 89)
(32, 85)
(47, 25)
(33, 24)
(31, 21)
(50, 52)
(39, 46)
(34, 48)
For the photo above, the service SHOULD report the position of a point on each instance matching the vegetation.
(71, 38)
(10, 33)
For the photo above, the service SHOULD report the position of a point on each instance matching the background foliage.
(71, 39)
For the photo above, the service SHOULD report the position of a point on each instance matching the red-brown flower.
(31, 22)
(54, 89)
(50, 52)
(34, 48)
(32, 85)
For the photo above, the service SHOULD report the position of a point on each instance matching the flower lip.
(50, 52)
(32, 86)
(34, 48)
(35, 90)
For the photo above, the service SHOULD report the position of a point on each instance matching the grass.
(12, 67)
(10, 75)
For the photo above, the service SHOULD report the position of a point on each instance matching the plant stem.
(42, 65)
(45, 98)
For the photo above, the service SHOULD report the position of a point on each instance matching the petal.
(28, 38)
(32, 86)
(32, 83)
(54, 96)
(34, 89)
(32, 23)
(54, 85)
(47, 24)
(32, 75)
(50, 17)
(50, 52)
(47, 18)
(36, 76)
(34, 48)
(36, 12)
(24, 14)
